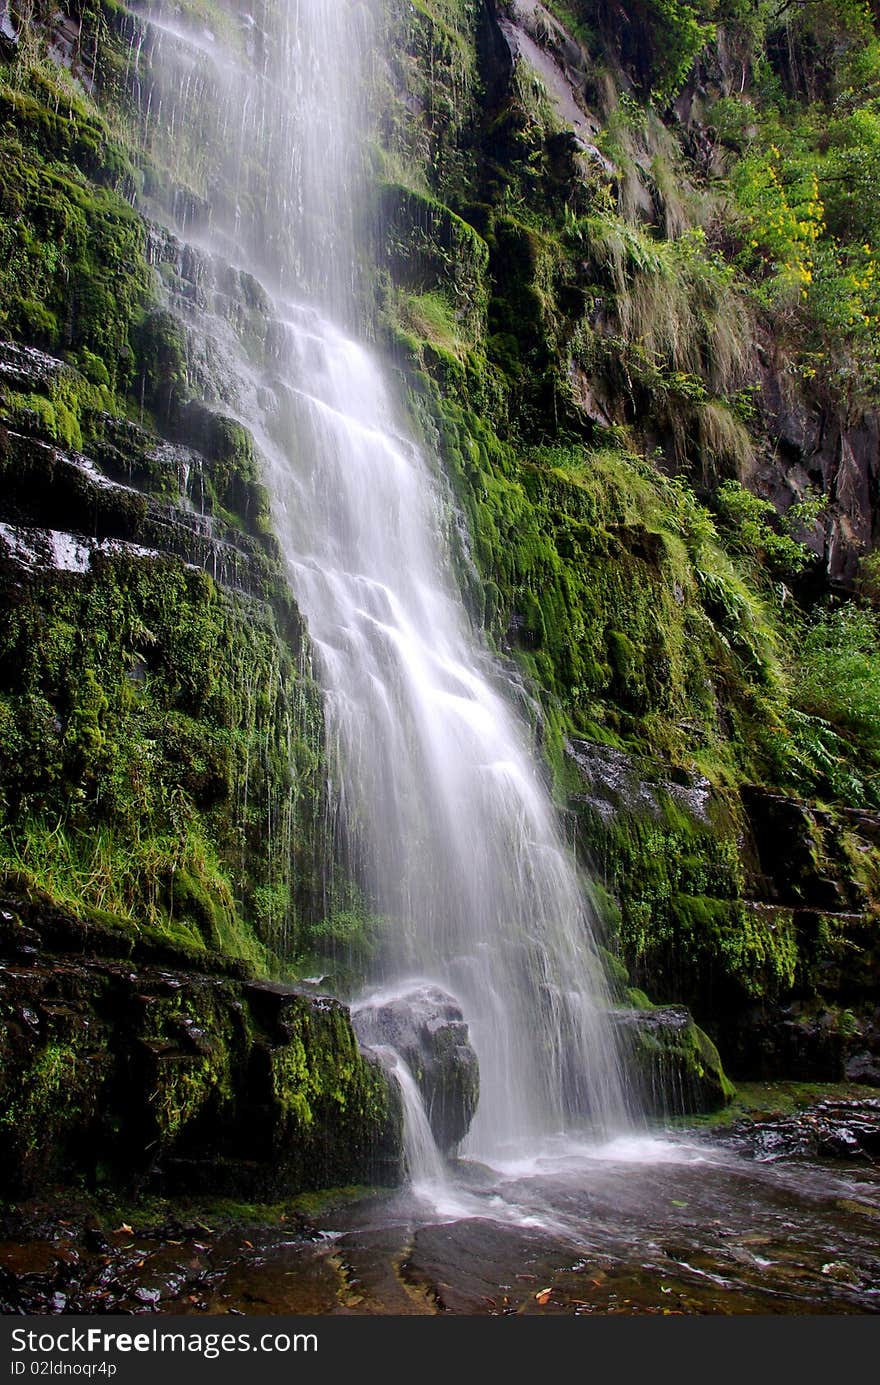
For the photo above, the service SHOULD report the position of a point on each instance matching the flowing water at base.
(739, 1223)
(636, 1226)
(646, 1225)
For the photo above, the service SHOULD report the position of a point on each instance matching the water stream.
(446, 812)
(640, 1225)
(425, 1168)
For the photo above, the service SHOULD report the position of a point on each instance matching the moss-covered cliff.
(162, 780)
(625, 284)
(624, 266)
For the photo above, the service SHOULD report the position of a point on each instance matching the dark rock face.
(838, 456)
(804, 1040)
(60, 506)
(812, 872)
(672, 1065)
(426, 1027)
(613, 783)
(131, 1061)
(800, 856)
(759, 915)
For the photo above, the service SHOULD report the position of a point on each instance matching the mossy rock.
(128, 1074)
(672, 1065)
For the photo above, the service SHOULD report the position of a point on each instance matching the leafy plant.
(751, 526)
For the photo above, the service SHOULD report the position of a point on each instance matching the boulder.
(673, 1066)
(425, 1026)
(139, 1063)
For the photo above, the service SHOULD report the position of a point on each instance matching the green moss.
(50, 1095)
(608, 583)
(425, 94)
(231, 477)
(429, 249)
(160, 756)
(316, 1072)
(193, 1043)
(673, 1065)
(49, 1101)
(760, 1101)
(320, 1081)
(72, 254)
(572, 323)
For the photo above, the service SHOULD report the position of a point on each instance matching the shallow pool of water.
(751, 1220)
(642, 1225)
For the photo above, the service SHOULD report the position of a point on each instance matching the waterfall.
(446, 809)
(424, 1164)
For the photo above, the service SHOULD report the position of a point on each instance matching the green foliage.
(352, 932)
(48, 1097)
(837, 696)
(680, 30)
(679, 313)
(751, 526)
(784, 220)
(868, 578)
(659, 43)
(159, 754)
(559, 312)
(803, 180)
(72, 269)
(431, 317)
(431, 250)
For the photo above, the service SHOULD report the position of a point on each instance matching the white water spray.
(450, 820)
(424, 1164)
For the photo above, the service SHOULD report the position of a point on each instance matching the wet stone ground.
(770, 1215)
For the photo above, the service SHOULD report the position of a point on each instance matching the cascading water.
(453, 829)
(424, 1166)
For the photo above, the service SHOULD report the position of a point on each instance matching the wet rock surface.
(777, 955)
(138, 1063)
(427, 1028)
(847, 1130)
(614, 781)
(129, 490)
(674, 1068)
(826, 448)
